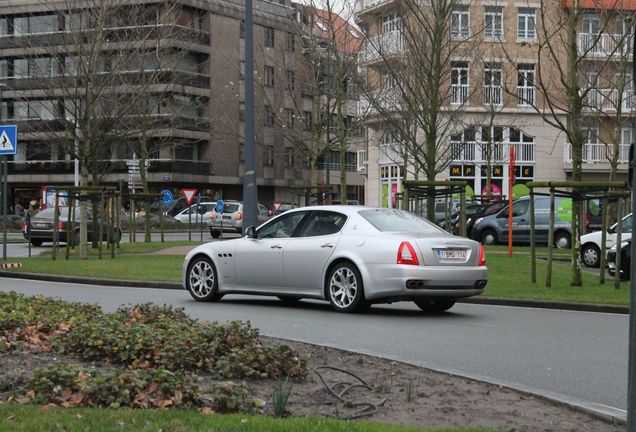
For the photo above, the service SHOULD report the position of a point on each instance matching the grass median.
(509, 277)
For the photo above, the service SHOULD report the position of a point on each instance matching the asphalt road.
(579, 357)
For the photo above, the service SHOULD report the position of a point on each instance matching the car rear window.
(231, 208)
(393, 220)
(48, 213)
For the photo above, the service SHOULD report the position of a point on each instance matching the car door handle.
(276, 247)
(327, 245)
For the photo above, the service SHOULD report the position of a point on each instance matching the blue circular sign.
(166, 196)
(220, 205)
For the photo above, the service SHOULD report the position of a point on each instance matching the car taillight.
(238, 215)
(406, 254)
(61, 226)
(25, 227)
(482, 256)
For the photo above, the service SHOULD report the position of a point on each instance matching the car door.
(307, 252)
(520, 222)
(258, 262)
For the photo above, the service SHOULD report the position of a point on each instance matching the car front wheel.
(201, 280)
(590, 255)
(489, 237)
(434, 305)
(344, 289)
(562, 240)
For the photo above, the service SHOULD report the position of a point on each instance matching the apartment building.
(194, 52)
(493, 92)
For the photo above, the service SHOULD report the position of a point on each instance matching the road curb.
(541, 304)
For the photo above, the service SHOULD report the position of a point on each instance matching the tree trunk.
(83, 253)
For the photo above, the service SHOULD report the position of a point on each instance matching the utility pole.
(249, 178)
(631, 369)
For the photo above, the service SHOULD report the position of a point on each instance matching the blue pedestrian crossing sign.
(8, 139)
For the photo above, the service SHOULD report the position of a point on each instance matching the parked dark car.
(482, 210)
(626, 252)
(42, 226)
(176, 206)
(470, 210)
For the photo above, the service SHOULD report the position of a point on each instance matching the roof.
(602, 4)
(348, 38)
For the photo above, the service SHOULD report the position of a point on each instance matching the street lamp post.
(5, 178)
(631, 368)
(249, 177)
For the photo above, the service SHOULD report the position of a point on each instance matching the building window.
(269, 37)
(241, 111)
(242, 70)
(308, 120)
(268, 118)
(492, 84)
(37, 24)
(390, 22)
(493, 22)
(268, 76)
(242, 29)
(268, 156)
(4, 69)
(526, 23)
(289, 117)
(4, 26)
(241, 151)
(525, 85)
(291, 42)
(460, 22)
(459, 83)
(291, 80)
(289, 157)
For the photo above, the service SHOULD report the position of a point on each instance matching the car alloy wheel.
(346, 293)
(562, 240)
(489, 237)
(591, 256)
(202, 281)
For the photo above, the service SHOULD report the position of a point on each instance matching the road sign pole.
(5, 178)
(631, 369)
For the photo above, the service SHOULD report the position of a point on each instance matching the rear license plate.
(39, 225)
(452, 254)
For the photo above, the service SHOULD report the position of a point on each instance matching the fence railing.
(459, 94)
(605, 45)
(598, 153)
(383, 45)
(525, 96)
(492, 95)
(608, 100)
(474, 151)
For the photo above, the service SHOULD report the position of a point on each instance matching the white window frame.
(526, 24)
(526, 93)
(493, 22)
(492, 87)
(460, 22)
(390, 22)
(460, 82)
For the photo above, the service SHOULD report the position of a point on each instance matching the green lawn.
(31, 418)
(509, 277)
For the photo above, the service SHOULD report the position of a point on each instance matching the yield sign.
(188, 194)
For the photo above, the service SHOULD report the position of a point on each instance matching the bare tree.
(422, 90)
(566, 59)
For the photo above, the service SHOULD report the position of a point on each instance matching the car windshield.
(392, 220)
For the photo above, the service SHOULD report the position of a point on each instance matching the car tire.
(344, 288)
(37, 242)
(590, 255)
(201, 280)
(434, 305)
(215, 233)
(562, 240)
(489, 237)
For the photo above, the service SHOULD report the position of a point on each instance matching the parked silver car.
(232, 217)
(196, 215)
(351, 256)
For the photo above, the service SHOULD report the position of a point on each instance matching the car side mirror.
(250, 232)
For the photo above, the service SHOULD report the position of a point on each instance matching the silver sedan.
(352, 256)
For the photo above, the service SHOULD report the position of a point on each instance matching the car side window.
(262, 210)
(627, 225)
(282, 227)
(322, 223)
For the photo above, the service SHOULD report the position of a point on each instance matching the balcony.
(161, 32)
(383, 100)
(598, 153)
(608, 100)
(478, 152)
(363, 6)
(383, 46)
(526, 96)
(153, 76)
(605, 45)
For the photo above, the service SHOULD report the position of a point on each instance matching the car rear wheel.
(344, 289)
(489, 237)
(37, 242)
(562, 240)
(590, 255)
(201, 280)
(434, 305)
(215, 233)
